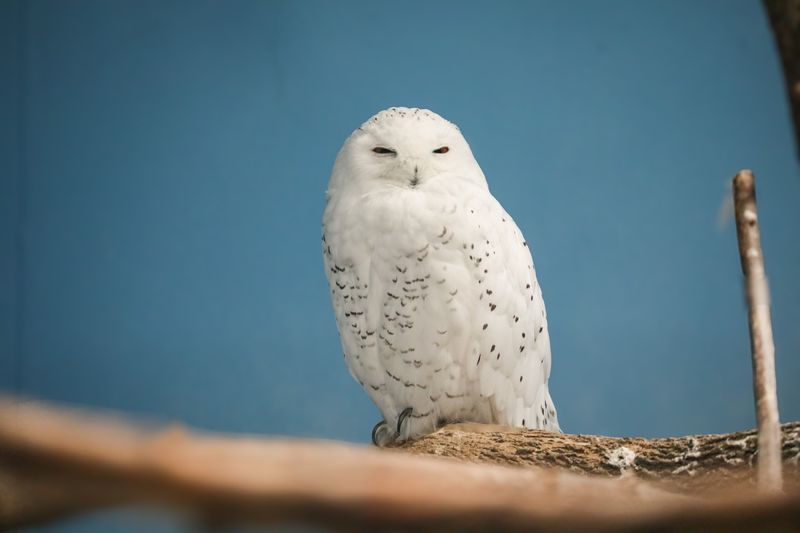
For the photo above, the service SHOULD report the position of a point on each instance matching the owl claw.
(400, 419)
(382, 435)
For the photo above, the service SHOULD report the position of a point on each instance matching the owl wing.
(510, 334)
(348, 279)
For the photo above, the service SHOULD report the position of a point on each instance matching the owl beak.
(415, 179)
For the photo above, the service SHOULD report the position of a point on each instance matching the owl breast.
(438, 307)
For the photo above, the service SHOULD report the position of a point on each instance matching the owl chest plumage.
(438, 307)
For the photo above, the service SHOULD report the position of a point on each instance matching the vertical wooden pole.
(769, 475)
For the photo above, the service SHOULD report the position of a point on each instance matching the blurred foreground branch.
(55, 462)
(784, 18)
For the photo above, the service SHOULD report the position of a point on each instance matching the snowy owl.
(433, 285)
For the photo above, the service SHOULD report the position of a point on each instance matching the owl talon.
(382, 435)
(400, 419)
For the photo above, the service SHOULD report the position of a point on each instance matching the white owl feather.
(433, 285)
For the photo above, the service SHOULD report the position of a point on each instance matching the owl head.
(408, 148)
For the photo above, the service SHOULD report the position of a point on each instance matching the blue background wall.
(163, 174)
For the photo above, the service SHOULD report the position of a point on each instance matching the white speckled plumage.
(432, 282)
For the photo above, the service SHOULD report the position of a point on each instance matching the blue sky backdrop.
(164, 165)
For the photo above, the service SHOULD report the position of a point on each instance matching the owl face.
(407, 148)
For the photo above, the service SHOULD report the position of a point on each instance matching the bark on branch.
(693, 464)
(55, 461)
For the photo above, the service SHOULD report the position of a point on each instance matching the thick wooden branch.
(694, 464)
(55, 462)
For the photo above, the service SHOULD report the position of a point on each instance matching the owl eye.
(382, 150)
(442, 150)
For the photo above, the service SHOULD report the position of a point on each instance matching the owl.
(440, 315)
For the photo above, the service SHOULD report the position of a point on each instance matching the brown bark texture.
(695, 464)
(55, 462)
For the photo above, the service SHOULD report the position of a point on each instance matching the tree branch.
(784, 18)
(765, 388)
(55, 461)
(693, 464)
